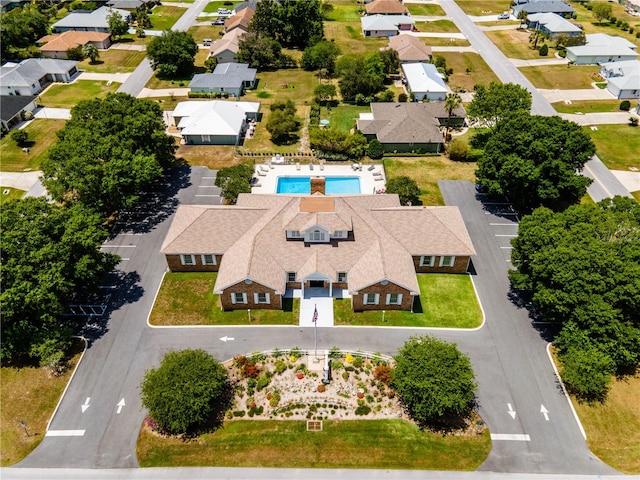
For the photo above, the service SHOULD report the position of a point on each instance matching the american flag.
(315, 315)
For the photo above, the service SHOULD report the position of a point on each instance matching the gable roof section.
(554, 22)
(229, 41)
(542, 6)
(240, 19)
(601, 44)
(630, 78)
(94, 19)
(11, 105)
(29, 71)
(225, 75)
(70, 39)
(386, 7)
(215, 117)
(410, 48)
(384, 22)
(424, 77)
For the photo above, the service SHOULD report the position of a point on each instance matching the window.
(261, 298)
(208, 259)
(340, 234)
(238, 298)
(427, 260)
(188, 259)
(371, 298)
(317, 236)
(291, 276)
(293, 233)
(447, 260)
(342, 276)
(394, 298)
(206, 138)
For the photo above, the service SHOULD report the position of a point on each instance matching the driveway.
(602, 118)
(595, 93)
(20, 180)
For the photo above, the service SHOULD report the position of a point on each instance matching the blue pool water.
(333, 185)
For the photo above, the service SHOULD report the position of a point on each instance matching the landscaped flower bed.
(279, 386)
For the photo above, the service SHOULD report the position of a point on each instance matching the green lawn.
(426, 171)
(163, 17)
(561, 77)
(427, 10)
(345, 13)
(617, 145)
(7, 194)
(188, 299)
(199, 33)
(212, 7)
(376, 444)
(445, 301)
(588, 106)
(482, 7)
(348, 36)
(67, 95)
(343, 117)
(514, 44)
(113, 61)
(42, 134)
(461, 80)
(445, 42)
(439, 26)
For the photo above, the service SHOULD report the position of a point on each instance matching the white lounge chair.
(264, 168)
(310, 166)
(377, 174)
(261, 173)
(297, 165)
(378, 179)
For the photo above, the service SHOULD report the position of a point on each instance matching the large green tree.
(172, 53)
(406, 188)
(601, 10)
(291, 22)
(48, 253)
(360, 74)
(234, 180)
(491, 104)
(186, 391)
(118, 26)
(321, 55)
(282, 123)
(107, 152)
(19, 29)
(583, 269)
(332, 143)
(435, 381)
(534, 161)
(259, 50)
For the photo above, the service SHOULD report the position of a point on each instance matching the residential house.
(602, 48)
(216, 122)
(385, 25)
(552, 24)
(13, 106)
(544, 6)
(240, 20)
(386, 7)
(226, 49)
(368, 245)
(623, 78)
(8, 5)
(132, 4)
(424, 81)
(93, 21)
(410, 49)
(406, 127)
(57, 45)
(632, 7)
(229, 78)
(30, 76)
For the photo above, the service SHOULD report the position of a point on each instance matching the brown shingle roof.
(70, 39)
(410, 48)
(386, 7)
(241, 19)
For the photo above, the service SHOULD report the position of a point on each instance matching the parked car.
(224, 11)
(504, 16)
(218, 21)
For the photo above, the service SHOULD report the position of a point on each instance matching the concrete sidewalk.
(163, 92)
(20, 180)
(53, 113)
(538, 62)
(107, 77)
(601, 118)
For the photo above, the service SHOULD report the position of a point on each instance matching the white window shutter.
(388, 298)
(244, 298)
(233, 298)
(399, 299)
(256, 298)
(267, 298)
(377, 299)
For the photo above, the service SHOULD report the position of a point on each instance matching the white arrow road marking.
(120, 405)
(225, 338)
(86, 405)
(544, 412)
(64, 433)
(511, 411)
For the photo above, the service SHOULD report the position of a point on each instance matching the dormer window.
(317, 236)
(293, 234)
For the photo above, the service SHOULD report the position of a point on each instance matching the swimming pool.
(333, 185)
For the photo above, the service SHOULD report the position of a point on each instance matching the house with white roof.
(623, 78)
(227, 78)
(424, 81)
(552, 24)
(385, 25)
(30, 76)
(215, 122)
(367, 245)
(602, 48)
(84, 21)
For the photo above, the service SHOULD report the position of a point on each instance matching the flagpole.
(315, 331)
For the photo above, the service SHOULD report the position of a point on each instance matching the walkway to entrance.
(316, 298)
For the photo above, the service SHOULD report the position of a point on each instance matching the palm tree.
(452, 102)
(522, 16)
(90, 51)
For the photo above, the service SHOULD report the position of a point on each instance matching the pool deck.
(266, 176)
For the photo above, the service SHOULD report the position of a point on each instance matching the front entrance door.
(316, 284)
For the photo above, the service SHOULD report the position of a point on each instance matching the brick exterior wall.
(275, 301)
(175, 264)
(460, 265)
(357, 301)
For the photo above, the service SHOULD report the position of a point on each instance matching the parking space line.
(64, 433)
(506, 248)
(511, 436)
(202, 195)
(504, 235)
(505, 224)
(118, 246)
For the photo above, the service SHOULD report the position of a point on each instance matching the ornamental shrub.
(375, 150)
(625, 105)
(544, 50)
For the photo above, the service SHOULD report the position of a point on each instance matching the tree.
(435, 381)
(282, 126)
(601, 11)
(406, 188)
(75, 53)
(118, 26)
(90, 51)
(172, 53)
(391, 60)
(534, 161)
(360, 75)
(233, 181)
(187, 392)
(522, 16)
(292, 23)
(107, 152)
(337, 144)
(458, 150)
(375, 150)
(48, 253)
(20, 137)
(544, 50)
(211, 63)
(259, 50)
(20, 28)
(451, 102)
(489, 105)
(322, 55)
(325, 92)
(582, 267)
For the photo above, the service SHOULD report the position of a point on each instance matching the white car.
(504, 16)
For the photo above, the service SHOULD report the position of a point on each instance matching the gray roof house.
(385, 25)
(215, 122)
(12, 106)
(424, 81)
(131, 4)
(30, 76)
(406, 127)
(229, 78)
(544, 6)
(602, 48)
(623, 78)
(94, 21)
(552, 24)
